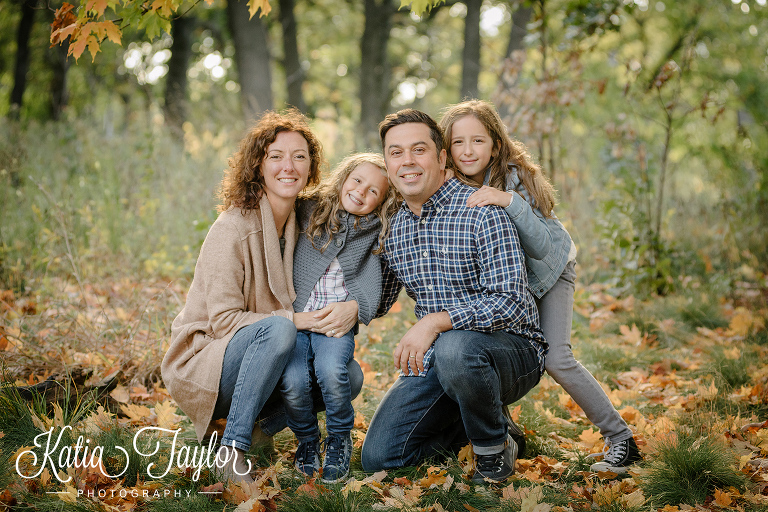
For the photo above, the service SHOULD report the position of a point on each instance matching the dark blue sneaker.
(307, 458)
(496, 467)
(338, 451)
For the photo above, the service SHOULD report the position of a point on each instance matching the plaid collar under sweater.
(465, 261)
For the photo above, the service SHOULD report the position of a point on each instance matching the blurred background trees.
(649, 116)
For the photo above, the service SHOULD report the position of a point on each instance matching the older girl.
(486, 157)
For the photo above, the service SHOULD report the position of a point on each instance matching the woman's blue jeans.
(472, 376)
(320, 361)
(248, 390)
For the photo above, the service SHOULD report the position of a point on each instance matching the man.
(477, 345)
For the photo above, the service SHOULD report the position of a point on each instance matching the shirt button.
(339, 242)
(429, 287)
(423, 221)
(425, 253)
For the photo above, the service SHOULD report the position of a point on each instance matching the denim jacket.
(545, 241)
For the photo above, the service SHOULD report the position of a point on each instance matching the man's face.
(413, 164)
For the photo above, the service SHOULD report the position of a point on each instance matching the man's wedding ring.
(412, 357)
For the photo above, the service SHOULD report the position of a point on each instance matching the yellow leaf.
(707, 393)
(255, 5)
(590, 439)
(633, 335)
(722, 498)
(136, 413)
(166, 415)
(742, 322)
(58, 415)
(97, 5)
(120, 393)
(633, 500)
(93, 46)
(69, 495)
(114, 33)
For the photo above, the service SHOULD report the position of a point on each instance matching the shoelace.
(306, 453)
(334, 450)
(490, 463)
(611, 453)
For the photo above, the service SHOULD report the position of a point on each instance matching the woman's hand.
(486, 195)
(334, 320)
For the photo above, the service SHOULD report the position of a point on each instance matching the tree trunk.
(294, 74)
(252, 59)
(517, 33)
(176, 79)
(470, 56)
(519, 28)
(59, 64)
(375, 89)
(22, 56)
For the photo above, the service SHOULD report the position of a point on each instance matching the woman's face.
(286, 167)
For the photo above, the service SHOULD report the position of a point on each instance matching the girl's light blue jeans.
(319, 361)
(248, 390)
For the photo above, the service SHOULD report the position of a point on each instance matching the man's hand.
(486, 195)
(336, 319)
(418, 339)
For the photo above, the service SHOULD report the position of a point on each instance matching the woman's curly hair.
(243, 182)
(324, 219)
(507, 152)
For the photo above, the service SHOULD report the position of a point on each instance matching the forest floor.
(687, 372)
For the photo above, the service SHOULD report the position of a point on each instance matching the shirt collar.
(443, 196)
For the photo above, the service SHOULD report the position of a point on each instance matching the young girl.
(336, 263)
(486, 157)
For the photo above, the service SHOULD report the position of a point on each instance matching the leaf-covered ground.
(687, 372)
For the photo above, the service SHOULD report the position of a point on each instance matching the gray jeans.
(556, 313)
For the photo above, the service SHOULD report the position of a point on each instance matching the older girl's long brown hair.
(243, 182)
(507, 151)
(324, 219)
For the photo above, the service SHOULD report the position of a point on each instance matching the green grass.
(688, 468)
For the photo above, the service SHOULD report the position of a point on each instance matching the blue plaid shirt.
(467, 262)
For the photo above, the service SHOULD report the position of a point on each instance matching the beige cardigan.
(240, 278)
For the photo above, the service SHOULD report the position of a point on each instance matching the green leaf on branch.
(419, 7)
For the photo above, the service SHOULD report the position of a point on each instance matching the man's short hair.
(411, 115)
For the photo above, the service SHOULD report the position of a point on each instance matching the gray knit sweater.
(352, 246)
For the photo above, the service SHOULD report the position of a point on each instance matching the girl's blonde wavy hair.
(507, 152)
(324, 219)
(243, 182)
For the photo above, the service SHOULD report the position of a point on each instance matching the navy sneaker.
(496, 466)
(338, 451)
(307, 458)
(619, 456)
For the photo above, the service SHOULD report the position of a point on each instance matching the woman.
(236, 333)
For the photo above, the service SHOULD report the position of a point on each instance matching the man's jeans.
(248, 390)
(319, 360)
(472, 376)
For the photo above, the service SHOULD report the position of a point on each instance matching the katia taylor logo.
(59, 457)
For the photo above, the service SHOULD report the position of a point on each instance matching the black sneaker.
(496, 466)
(515, 430)
(307, 458)
(619, 456)
(338, 451)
